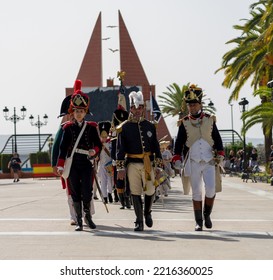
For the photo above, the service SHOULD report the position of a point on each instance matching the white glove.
(219, 159)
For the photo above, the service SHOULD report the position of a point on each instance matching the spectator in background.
(232, 159)
(271, 162)
(253, 158)
(239, 160)
(15, 165)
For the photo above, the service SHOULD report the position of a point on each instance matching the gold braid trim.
(120, 164)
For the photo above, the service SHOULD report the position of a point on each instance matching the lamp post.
(39, 124)
(14, 118)
(211, 104)
(231, 108)
(50, 145)
(270, 85)
(243, 107)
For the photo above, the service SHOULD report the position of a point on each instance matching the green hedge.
(40, 157)
(5, 158)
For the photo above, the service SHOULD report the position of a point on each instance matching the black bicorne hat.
(104, 128)
(119, 116)
(65, 106)
(193, 94)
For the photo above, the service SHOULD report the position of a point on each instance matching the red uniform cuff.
(176, 157)
(96, 149)
(221, 153)
(60, 162)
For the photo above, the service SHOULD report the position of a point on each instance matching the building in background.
(104, 99)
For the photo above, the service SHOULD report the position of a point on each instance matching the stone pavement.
(34, 225)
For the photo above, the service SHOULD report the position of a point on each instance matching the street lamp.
(14, 118)
(243, 107)
(39, 124)
(50, 145)
(231, 108)
(211, 104)
(270, 85)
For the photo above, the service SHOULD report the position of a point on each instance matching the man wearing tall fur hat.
(119, 116)
(137, 153)
(199, 143)
(80, 176)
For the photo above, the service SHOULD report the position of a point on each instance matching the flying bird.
(111, 26)
(106, 38)
(115, 50)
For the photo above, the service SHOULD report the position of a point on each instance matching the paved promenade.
(34, 225)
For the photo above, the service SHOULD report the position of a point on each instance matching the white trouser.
(202, 170)
(106, 181)
(70, 206)
(137, 181)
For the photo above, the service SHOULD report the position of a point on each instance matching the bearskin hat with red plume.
(79, 100)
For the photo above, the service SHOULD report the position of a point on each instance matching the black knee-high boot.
(197, 207)
(78, 210)
(86, 210)
(207, 211)
(137, 202)
(116, 198)
(121, 200)
(127, 201)
(148, 202)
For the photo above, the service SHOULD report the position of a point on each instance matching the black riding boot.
(88, 218)
(207, 211)
(197, 206)
(127, 201)
(121, 199)
(116, 198)
(78, 210)
(110, 198)
(148, 202)
(137, 202)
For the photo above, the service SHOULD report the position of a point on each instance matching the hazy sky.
(43, 44)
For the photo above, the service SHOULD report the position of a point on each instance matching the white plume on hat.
(136, 99)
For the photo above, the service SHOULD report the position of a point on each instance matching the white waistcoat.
(199, 138)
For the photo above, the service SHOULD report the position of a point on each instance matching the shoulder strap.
(106, 151)
(78, 139)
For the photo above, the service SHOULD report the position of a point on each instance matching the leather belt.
(82, 151)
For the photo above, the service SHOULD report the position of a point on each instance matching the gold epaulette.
(154, 123)
(119, 127)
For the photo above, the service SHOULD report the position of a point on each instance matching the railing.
(230, 136)
(26, 143)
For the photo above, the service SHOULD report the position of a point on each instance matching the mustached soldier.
(197, 140)
(137, 149)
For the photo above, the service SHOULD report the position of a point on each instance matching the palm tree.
(172, 101)
(252, 58)
(262, 114)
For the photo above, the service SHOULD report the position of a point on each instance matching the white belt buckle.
(83, 152)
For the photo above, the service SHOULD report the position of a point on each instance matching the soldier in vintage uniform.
(137, 153)
(199, 143)
(80, 177)
(119, 116)
(105, 166)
